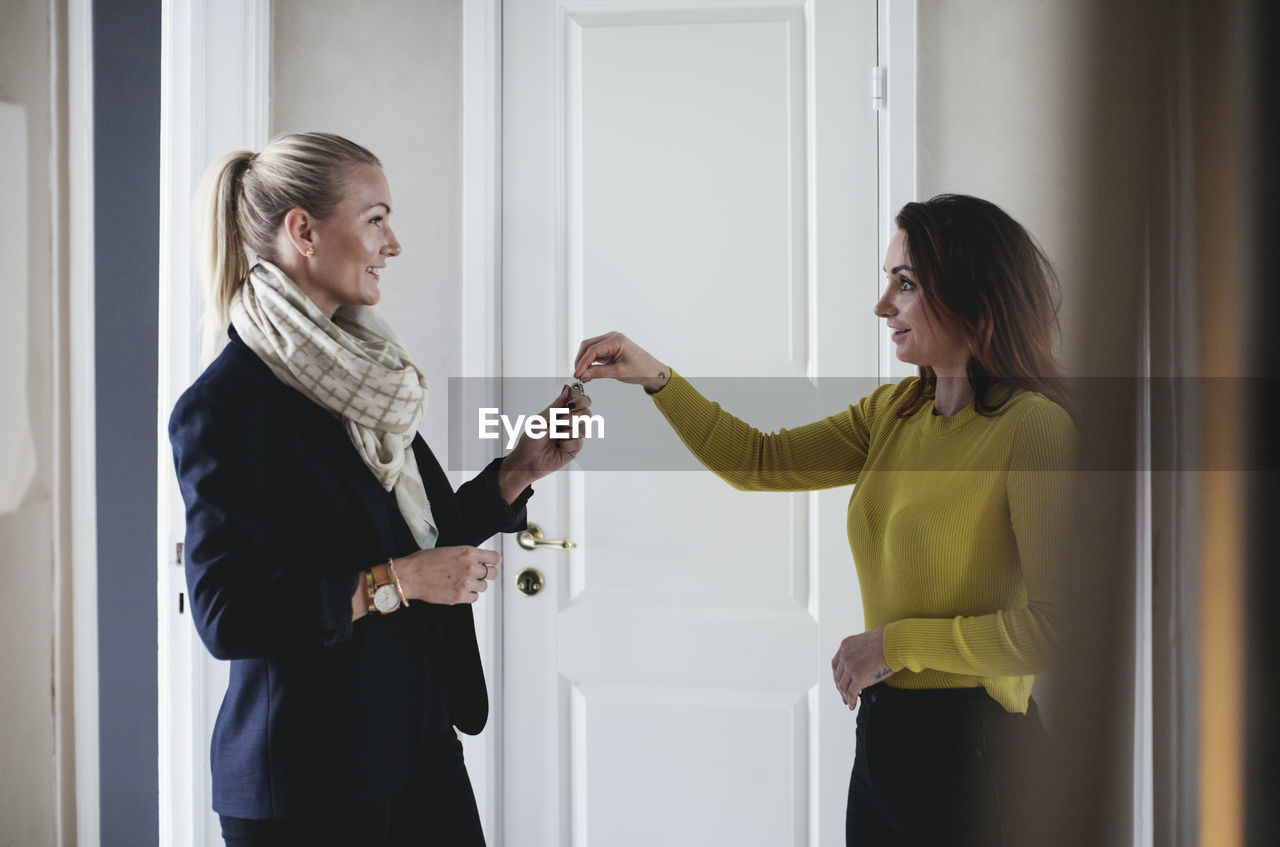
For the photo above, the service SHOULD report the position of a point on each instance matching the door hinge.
(177, 554)
(879, 87)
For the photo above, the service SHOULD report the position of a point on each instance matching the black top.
(283, 517)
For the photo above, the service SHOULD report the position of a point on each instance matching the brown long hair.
(982, 273)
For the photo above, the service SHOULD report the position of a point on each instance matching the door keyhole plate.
(530, 581)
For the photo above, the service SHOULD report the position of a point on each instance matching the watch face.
(385, 599)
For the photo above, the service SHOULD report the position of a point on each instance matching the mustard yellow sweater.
(956, 523)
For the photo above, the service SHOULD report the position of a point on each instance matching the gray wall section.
(126, 79)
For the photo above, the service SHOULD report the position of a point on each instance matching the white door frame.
(897, 175)
(214, 90)
(481, 336)
(894, 91)
(82, 438)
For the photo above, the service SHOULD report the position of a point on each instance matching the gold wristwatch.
(385, 595)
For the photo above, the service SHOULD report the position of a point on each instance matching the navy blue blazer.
(320, 714)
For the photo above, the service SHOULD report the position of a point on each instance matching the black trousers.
(435, 807)
(944, 767)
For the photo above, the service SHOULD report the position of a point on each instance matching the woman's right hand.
(447, 575)
(614, 356)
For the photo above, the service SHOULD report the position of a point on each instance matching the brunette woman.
(961, 479)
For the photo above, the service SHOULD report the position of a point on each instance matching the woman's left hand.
(859, 663)
(534, 458)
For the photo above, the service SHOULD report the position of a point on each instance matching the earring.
(311, 251)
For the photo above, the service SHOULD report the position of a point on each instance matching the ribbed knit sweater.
(956, 523)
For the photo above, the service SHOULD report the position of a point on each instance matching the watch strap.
(381, 574)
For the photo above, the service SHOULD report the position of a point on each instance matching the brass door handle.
(531, 539)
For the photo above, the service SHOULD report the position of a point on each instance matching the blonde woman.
(328, 558)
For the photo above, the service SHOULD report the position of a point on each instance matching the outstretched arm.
(823, 454)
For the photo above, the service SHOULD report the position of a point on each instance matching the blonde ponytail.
(242, 201)
(220, 250)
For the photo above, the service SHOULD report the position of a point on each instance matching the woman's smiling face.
(353, 244)
(920, 337)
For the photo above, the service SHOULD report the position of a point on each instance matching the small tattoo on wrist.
(883, 673)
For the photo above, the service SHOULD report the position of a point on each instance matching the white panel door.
(701, 176)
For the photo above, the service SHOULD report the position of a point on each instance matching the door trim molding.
(896, 53)
(482, 338)
(81, 411)
(215, 97)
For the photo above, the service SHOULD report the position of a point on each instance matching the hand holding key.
(534, 458)
(615, 356)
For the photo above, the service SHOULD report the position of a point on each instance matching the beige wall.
(388, 74)
(28, 798)
(1003, 96)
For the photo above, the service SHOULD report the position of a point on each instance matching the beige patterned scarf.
(352, 365)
